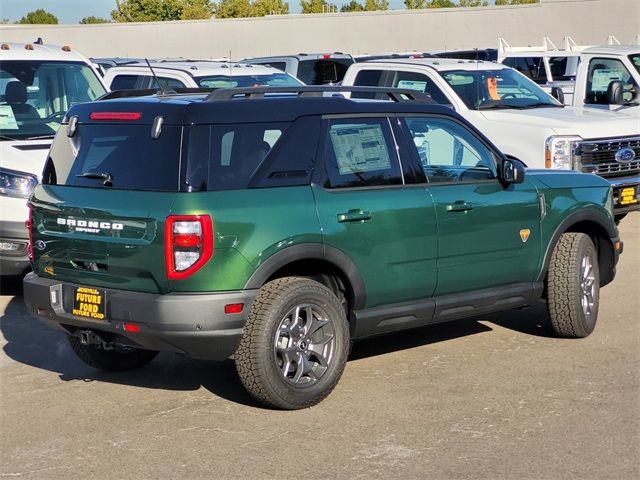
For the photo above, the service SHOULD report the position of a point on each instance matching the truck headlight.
(16, 184)
(558, 153)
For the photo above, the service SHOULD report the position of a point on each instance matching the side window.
(602, 71)
(360, 153)
(532, 67)
(448, 152)
(398, 79)
(124, 82)
(224, 157)
(419, 82)
(166, 82)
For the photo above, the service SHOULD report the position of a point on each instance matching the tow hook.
(87, 337)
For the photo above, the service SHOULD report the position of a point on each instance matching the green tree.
(371, 5)
(473, 3)
(415, 4)
(515, 2)
(160, 10)
(92, 19)
(316, 6)
(352, 6)
(233, 9)
(260, 8)
(441, 4)
(39, 17)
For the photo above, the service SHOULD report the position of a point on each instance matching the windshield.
(635, 61)
(35, 95)
(493, 89)
(232, 81)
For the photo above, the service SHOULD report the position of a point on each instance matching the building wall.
(587, 21)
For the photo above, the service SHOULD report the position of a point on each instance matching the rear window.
(321, 72)
(115, 156)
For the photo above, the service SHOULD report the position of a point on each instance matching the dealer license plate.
(628, 196)
(89, 303)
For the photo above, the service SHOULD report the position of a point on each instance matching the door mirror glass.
(512, 171)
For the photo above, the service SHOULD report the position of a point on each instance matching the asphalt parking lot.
(492, 397)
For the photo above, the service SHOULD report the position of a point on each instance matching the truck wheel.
(120, 359)
(573, 286)
(295, 344)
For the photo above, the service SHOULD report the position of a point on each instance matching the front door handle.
(354, 215)
(460, 206)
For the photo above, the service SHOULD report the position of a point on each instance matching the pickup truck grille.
(599, 156)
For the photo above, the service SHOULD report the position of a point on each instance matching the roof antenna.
(164, 89)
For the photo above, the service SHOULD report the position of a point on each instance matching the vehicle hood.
(25, 156)
(585, 122)
(565, 179)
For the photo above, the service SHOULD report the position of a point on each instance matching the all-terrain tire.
(295, 344)
(573, 286)
(116, 360)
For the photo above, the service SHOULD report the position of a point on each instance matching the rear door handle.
(354, 215)
(460, 206)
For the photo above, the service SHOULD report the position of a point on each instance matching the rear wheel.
(573, 286)
(120, 359)
(295, 344)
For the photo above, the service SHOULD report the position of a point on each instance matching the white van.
(38, 83)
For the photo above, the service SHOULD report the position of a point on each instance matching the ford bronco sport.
(278, 225)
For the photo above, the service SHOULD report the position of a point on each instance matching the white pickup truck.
(608, 78)
(38, 84)
(521, 119)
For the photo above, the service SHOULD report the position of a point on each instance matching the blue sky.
(72, 11)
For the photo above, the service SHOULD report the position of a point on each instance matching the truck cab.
(38, 84)
(608, 78)
(522, 119)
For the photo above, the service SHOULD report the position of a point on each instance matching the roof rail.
(151, 91)
(394, 94)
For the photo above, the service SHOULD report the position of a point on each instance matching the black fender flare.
(598, 217)
(312, 251)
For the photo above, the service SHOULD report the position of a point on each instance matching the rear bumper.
(193, 324)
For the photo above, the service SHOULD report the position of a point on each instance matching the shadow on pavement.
(31, 342)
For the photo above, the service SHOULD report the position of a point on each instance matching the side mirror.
(615, 93)
(558, 94)
(512, 171)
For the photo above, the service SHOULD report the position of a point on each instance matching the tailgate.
(101, 237)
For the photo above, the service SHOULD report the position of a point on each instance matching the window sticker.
(359, 148)
(492, 87)
(7, 118)
(602, 78)
(413, 85)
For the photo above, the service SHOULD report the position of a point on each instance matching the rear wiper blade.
(106, 176)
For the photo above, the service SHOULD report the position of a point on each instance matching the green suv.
(278, 225)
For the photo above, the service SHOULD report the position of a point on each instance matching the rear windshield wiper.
(106, 176)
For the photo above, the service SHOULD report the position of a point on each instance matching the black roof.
(192, 108)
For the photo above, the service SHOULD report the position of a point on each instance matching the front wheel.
(119, 359)
(295, 344)
(573, 286)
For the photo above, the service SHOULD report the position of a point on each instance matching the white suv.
(195, 75)
(38, 83)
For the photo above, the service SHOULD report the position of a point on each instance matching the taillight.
(29, 224)
(123, 116)
(188, 244)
